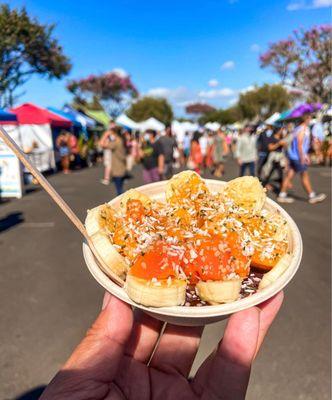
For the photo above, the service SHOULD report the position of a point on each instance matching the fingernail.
(106, 300)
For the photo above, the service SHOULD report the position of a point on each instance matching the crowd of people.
(275, 154)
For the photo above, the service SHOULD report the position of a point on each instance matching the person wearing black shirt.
(263, 142)
(151, 155)
(276, 158)
(168, 144)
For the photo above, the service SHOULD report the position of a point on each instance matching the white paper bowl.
(193, 316)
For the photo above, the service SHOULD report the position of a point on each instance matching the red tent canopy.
(29, 113)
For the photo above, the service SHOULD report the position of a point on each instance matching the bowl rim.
(208, 310)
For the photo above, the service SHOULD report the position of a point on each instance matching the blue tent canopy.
(64, 114)
(83, 119)
(7, 116)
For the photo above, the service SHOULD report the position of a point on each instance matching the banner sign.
(11, 176)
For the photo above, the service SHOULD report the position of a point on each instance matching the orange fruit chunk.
(159, 262)
(214, 258)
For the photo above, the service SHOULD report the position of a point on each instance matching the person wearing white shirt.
(246, 151)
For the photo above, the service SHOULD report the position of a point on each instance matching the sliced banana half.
(246, 192)
(156, 293)
(216, 292)
(99, 222)
(275, 272)
(133, 194)
(185, 185)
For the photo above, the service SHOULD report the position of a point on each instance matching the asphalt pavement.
(48, 299)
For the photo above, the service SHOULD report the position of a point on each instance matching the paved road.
(48, 299)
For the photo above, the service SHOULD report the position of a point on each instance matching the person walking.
(220, 150)
(276, 161)
(107, 154)
(246, 151)
(298, 155)
(195, 160)
(204, 143)
(186, 147)
(129, 148)
(74, 157)
(263, 141)
(62, 143)
(117, 145)
(151, 157)
(168, 144)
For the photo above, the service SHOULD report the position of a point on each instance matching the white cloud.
(180, 93)
(228, 65)
(216, 93)
(184, 103)
(247, 89)
(321, 3)
(308, 5)
(233, 101)
(213, 83)
(121, 72)
(255, 47)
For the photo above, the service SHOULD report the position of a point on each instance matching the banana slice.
(246, 192)
(186, 185)
(275, 272)
(215, 292)
(162, 293)
(99, 222)
(101, 217)
(133, 194)
(268, 234)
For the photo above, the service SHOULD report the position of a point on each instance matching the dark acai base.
(249, 287)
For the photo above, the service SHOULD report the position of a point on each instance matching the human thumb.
(99, 354)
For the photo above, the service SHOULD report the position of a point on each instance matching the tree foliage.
(259, 102)
(112, 90)
(27, 47)
(304, 60)
(223, 116)
(263, 101)
(148, 107)
(199, 108)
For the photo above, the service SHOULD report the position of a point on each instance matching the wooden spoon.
(58, 200)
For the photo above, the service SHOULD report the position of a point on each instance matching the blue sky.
(185, 50)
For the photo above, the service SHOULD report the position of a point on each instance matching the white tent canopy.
(189, 126)
(180, 128)
(151, 123)
(125, 121)
(236, 125)
(273, 118)
(212, 126)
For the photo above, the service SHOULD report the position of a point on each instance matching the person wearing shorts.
(298, 163)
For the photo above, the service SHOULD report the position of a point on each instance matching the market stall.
(11, 175)
(151, 123)
(39, 128)
(126, 122)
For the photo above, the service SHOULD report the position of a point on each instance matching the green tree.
(27, 47)
(148, 107)
(223, 116)
(263, 101)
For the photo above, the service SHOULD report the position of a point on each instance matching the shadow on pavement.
(32, 189)
(11, 220)
(32, 394)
